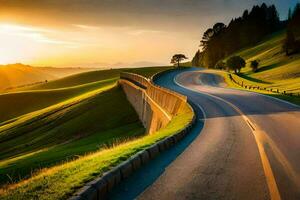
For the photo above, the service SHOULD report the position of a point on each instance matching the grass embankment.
(18, 103)
(49, 124)
(61, 181)
(276, 70)
(32, 98)
(57, 121)
(65, 130)
(92, 77)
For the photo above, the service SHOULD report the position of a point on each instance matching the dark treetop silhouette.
(221, 41)
(292, 43)
(177, 58)
(235, 63)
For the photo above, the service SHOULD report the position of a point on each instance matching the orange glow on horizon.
(81, 45)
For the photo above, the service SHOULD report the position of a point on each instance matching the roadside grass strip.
(61, 181)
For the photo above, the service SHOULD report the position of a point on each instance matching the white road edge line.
(270, 179)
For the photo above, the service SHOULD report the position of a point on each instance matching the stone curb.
(99, 187)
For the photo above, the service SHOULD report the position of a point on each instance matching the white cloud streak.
(34, 33)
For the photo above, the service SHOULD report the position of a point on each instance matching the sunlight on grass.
(61, 181)
(276, 70)
(231, 84)
(60, 122)
(18, 103)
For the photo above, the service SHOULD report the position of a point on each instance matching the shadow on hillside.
(268, 67)
(252, 79)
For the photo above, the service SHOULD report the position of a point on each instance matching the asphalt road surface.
(245, 146)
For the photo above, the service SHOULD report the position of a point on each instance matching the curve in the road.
(144, 177)
(281, 143)
(248, 147)
(259, 137)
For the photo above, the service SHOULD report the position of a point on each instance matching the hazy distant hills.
(121, 64)
(18, 75)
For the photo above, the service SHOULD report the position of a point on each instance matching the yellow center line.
(270, 179)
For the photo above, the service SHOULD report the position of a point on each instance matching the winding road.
(245, 146)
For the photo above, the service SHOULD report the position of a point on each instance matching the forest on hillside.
(221, 41)
(292, 42)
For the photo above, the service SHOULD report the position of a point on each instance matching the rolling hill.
(275, 71)
(50, 123)
(275, 68)
(18, 75)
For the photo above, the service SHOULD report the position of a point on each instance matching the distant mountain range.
(18, 75)
(119, 64)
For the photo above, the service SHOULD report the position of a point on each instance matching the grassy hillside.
(29, 99)
(90, 77)
(77, 79)
(18, 103)
(59, 132)
(16, 75)
(47, 124)
(51, 152)
(276, 70)
(61, 181)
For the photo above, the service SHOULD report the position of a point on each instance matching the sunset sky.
(110, 32)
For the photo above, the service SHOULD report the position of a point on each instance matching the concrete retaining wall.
(100, 187)
(136, 79)
(155, 105)
(150, 113)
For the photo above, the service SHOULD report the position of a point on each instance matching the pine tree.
(220, 40)
(289, 42)
(196, 59)
(290, 14)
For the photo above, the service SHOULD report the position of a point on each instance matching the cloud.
(113, 30)
(35, 33)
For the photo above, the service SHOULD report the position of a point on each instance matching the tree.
(222, 40)
(196, 59)
(220, 65)
(290, 15)
(207, 35)
(235, 63)
(177, 58)
(245, 14)
(289, 42)
(254, 65)
(218, 28)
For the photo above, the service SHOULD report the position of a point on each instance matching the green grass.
(231, 84)
(46, 134)
(61, 181)
(48, 124)
(18, 103)
(94, 76)
(40, 96)
(276, 70)
(78, 79)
